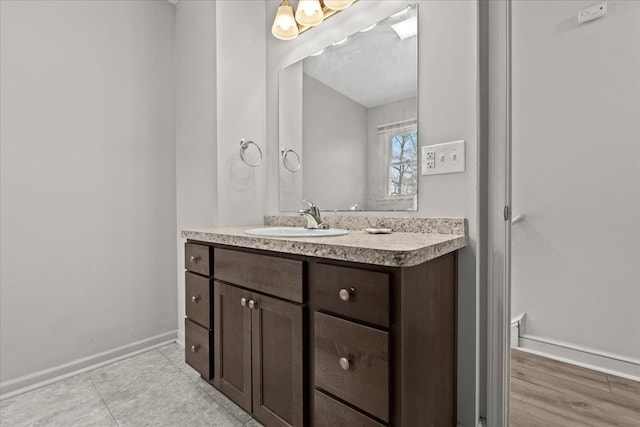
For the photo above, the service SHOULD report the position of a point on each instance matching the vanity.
(353, 330)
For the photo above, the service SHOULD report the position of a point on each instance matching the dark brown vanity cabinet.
(258, 337)
(382, 344)
(303, 341)
(259, 354)
(198, 322)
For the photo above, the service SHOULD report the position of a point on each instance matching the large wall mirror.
(348, 133)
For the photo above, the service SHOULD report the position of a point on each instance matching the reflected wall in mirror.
(349, 112)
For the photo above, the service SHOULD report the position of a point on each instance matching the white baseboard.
(45, 377)
(597, 360)
(180, 339)
(517, 329)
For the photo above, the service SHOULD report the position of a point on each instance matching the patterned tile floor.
(155, 388)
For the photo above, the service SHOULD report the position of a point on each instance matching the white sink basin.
(295, 232)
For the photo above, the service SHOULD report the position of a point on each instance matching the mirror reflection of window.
(399, 142)
(403, 163)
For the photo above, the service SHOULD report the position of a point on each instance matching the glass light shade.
(338, 4)
(309, 13)
(284, 25)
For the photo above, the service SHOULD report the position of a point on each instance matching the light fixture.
(289, 23)
(407, 28)
(369, 28)
(285, 26)
(338, 4)
(309, 13)
(339, 42)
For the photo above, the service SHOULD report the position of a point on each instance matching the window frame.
(389, 131)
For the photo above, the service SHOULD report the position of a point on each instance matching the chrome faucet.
(313, 216)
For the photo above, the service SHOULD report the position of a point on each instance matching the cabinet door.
(277, 361)
(232, 330)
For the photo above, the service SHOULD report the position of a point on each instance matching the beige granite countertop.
(398, 249)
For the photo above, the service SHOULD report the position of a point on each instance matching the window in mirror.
(403, 163)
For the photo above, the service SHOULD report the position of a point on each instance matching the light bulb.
(309, 13)
(338, 4)
(309, 8)
(284, 25)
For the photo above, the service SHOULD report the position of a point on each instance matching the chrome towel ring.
(244, 144)
(284, 152)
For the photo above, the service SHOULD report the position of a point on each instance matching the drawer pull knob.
(252, 304)
(344, 363)
(195, 348)
(243, 302)
(195, 258)
(345, 294)
(195, 298)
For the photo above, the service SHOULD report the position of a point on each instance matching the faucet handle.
(310, 203)
(314, 220)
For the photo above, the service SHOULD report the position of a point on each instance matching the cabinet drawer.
(352, 363)
(328, 412)
(351, 292)
(197, 347)
(197, 258)
(198, 299)
(271, 275)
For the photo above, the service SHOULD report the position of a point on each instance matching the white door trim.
(498, 123)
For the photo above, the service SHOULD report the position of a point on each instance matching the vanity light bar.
(288, 34)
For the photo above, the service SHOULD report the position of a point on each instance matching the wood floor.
(546, 392)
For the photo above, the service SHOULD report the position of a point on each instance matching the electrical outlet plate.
(443, 158)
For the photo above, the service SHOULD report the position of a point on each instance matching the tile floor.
(156, 388)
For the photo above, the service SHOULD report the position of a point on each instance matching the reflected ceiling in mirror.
(348, 121)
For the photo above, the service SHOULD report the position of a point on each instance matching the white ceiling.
(371, 68)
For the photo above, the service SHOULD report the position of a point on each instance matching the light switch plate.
(443, 158)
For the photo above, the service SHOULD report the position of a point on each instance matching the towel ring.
(244, 144)
(284, 153)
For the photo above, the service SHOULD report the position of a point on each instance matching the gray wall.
(334, 133)
(241, 102)
(576, 174)
(88, 190)
(447, 92)
(221, 99)
(196, 154)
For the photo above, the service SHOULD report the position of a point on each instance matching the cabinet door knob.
(252, 304)
(345, 294)
(243, 302)
(344, 363)
(195, 298)
(195, 348)
(195, 258)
